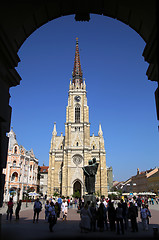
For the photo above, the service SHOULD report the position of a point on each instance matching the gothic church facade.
(69, 153)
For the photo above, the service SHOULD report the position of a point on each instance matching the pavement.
(24, 228)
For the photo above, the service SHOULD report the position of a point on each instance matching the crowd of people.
(103, 214)
(53, 209)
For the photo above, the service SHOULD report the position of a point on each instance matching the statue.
(90, 172)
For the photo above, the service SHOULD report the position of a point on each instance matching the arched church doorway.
(77, 188)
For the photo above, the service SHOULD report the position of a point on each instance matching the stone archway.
(77, 187)
(20, 19)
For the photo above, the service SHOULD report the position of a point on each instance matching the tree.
(55, 194)
(76, 194)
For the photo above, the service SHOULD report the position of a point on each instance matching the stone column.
(8, 78)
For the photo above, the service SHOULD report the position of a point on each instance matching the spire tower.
(77, 74)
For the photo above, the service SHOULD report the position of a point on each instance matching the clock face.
(77, 98)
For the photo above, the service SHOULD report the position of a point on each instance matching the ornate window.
(14, 163)
(77, 144)
(14, 176)
(77, 159)
(15, 150)
(77, 114)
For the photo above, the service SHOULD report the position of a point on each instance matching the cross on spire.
(77, 72)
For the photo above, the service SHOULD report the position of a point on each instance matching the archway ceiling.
(20, 18)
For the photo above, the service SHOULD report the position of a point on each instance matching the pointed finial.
(54, 131)
(100, 132)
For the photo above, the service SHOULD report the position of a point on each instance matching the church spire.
(77, 72)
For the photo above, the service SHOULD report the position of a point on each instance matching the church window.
(77, 144)
(14, 163)
(14, 177)
(79, 128)
(93, 147)
(61, 146)
(15, 150)
(77, 159)
(77, 114)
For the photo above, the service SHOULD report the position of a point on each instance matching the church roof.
(44, 169)
(77, 72)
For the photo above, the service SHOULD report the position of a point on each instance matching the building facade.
(43, 180)
(144, 181)
(69, 153)
(21, 170)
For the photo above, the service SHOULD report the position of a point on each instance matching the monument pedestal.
(89, 197)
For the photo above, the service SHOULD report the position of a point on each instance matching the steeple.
(77, 72)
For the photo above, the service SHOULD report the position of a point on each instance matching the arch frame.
(20, 19)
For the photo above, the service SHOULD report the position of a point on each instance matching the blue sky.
(119, 94)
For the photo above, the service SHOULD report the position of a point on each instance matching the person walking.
(19, 203)
(64, 207)
(57, 210)
(52, 216)
(133, 214)
(10, 209)
(85, 223)
(119, 218)
(47, 205)
(111, 215)
(143, 215)
(148, 214)
(105, 217)
(94, 216)
(100, 217)
(75, 203)
(59, 200)
(71, 203)
(125, 213)
(68, 202)
(37, 209)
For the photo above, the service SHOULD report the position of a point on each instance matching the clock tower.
(69, 153)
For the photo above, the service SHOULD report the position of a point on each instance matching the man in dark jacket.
(133, 214)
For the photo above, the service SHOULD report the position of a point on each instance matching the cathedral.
(69, 153)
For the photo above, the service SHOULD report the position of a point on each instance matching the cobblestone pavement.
(26, 229)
